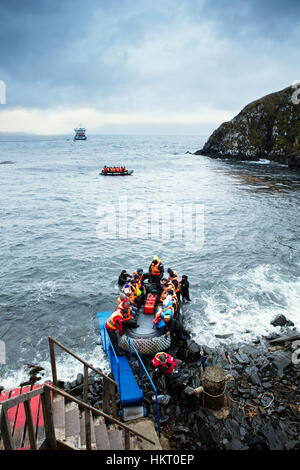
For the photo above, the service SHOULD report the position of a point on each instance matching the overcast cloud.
(144, 65)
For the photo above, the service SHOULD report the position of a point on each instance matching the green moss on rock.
(266, 128)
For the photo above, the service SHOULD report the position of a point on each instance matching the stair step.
(133, 412)
(72, 418)
(82, 432)
(59, 417)
(115, 436)
(101, 434)
(135, 444)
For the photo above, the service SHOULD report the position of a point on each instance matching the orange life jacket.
(139, 283)
(155, 271)
(111, 322)
(178, 284)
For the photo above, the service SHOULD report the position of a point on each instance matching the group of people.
(114, 169)
(133, 295)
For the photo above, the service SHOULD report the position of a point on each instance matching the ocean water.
(58, 268)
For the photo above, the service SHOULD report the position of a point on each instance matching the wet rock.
(164, 420)
(282, 339)
(258, 443)
(189, 353)
(281, 361)
(76, 390)
(252, 373)
(281, 411)
(236, 444)
(162, 399)
(272, 336)
(242, 358)
(79, 379)
(291, 445)
(275, 440)
(279, 320)
(183, 429)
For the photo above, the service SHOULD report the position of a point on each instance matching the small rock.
(279, 320)
(242, 358)
(79, 379)
(162, 399)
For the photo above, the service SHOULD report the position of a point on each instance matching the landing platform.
(130, 392)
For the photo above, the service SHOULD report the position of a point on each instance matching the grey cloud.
(171, 56)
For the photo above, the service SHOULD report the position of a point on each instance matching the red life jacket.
(167, 367)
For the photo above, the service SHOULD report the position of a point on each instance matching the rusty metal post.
(87, 415)
(53, 361)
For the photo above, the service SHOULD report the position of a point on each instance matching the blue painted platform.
(130, 392)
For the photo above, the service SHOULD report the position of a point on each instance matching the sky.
(141, 66)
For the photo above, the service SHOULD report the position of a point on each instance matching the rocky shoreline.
(267, 128)
(264, 399)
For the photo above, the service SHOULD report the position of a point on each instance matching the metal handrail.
(44, 392)
(98, 412)
(54, 375)
(142, 365)
(87, 366)
(107, 340)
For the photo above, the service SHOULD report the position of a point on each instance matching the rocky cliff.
(266, 128)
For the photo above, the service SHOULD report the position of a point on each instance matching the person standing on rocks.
(167, 365)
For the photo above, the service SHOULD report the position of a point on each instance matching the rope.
(215, 396)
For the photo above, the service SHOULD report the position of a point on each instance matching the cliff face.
(266, 128)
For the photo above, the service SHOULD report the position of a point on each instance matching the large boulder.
(190, 352)
(266, 128)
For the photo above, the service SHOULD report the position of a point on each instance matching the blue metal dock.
(130, 392)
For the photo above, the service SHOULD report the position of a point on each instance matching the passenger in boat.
(175, 281)
(105, 169)
(139, 273)
(165, 287)
(121, 317)
(123, 278)
(156, 271)
(163, 315)
(184, 288)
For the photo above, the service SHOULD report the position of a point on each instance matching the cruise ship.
(80, 133)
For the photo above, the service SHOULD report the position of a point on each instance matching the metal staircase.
(49, 418)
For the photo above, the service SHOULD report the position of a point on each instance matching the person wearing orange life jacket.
(114, 323)
(165, 286)
(121, 317)
(169, 296)
(130, 290)
(139, 275)
(156, 271)
(175, 281)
